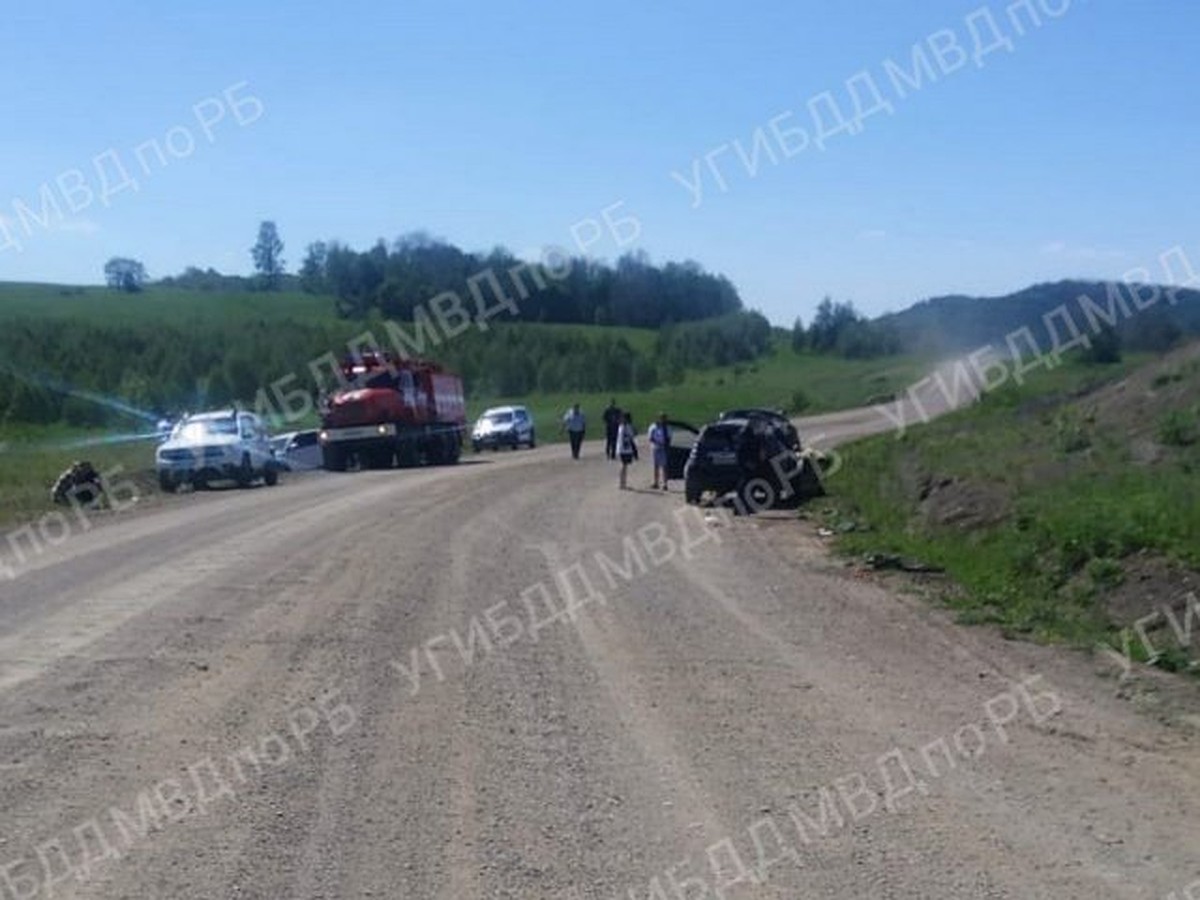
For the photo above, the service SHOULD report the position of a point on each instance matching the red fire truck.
(392, 411)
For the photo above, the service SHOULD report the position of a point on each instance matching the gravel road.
(352, 686)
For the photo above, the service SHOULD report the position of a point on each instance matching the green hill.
(1147, 317)
(62, 349)
(99, 305)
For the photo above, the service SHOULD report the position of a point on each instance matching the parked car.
(214, 446)
(297, 451)
(504, 426)
(749, 457)
(777, 418)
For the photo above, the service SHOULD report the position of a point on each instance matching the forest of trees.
(839, 328)
(396, 279)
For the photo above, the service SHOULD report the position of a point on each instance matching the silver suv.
(504, 426)
(214, 446)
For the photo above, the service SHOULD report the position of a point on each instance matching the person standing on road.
(626, 446)
(660, 440)
(575, 423)
(612, 423)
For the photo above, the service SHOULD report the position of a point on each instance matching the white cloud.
(1081, 252)
(26, 233)
(76, 226)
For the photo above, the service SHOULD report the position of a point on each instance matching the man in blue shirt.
(575, 424)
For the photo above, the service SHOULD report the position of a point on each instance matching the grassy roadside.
(1060, 509)
(32, 457)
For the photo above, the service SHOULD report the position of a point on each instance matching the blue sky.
(1073, 155)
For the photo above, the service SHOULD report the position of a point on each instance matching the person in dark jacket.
(612, 422)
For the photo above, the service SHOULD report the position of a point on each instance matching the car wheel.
(692, 491)
(166, 483)
(271, 476)
(757, 494)
(245, 473)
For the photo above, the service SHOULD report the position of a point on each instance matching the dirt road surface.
(337, 689)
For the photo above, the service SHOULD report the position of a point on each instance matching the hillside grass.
(100, 304)
(175, 305)
(1065, 506)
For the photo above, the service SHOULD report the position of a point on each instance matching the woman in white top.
(626, 448)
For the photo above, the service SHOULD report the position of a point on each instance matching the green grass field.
(1039, 500)
(156, 304)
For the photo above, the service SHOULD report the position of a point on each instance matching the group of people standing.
(620, 440)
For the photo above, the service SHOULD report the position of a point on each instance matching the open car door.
(683, 436)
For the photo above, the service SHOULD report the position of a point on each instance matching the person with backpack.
(626, 447)
(660, 442)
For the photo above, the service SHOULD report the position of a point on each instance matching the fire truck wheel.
(334, 459)
(406, 454)
(377, 459)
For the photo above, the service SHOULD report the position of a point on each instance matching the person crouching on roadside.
(626, 446)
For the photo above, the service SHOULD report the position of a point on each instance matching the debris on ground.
(881, 561)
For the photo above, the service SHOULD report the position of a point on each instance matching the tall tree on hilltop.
(267, 253)
(124, 274)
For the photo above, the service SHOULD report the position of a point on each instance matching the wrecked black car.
(755, 458)
(776, 418)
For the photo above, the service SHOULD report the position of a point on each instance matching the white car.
(297, 451)
(503, 426)
(213, 446)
